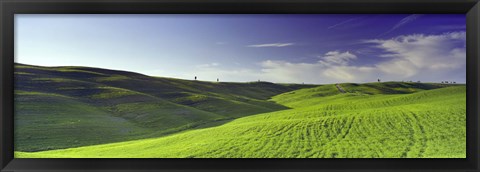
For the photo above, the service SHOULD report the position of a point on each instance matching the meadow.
(79, 112)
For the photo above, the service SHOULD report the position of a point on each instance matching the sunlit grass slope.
(427, 121)
(62, 107)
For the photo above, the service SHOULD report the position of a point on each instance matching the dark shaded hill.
(80, 106)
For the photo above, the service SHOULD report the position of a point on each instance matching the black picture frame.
(8, 8)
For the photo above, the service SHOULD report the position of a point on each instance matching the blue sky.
(317, 48)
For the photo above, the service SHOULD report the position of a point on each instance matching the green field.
(77, 112)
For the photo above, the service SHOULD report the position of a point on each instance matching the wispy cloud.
(402, 22)
(343, 22)
(271, 45)
(208, 65)
(451, 27)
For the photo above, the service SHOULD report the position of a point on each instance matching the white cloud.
(271, 45)
(415, 53)
(337, 58)
(432, 58)
(319, 72)
(398, 67)
(411, 57)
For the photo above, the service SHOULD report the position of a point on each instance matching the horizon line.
(253, 81)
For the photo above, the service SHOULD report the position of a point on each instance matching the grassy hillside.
(386, 120)
(62, 107)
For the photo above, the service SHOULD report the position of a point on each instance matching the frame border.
(10, 7)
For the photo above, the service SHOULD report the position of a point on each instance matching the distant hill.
(373, 120)
(61, 107)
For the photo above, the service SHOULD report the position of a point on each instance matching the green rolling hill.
(62, 107)
(372, 120)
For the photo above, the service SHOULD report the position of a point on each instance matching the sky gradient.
(314, 49)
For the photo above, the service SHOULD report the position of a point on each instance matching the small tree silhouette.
(195, 78)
